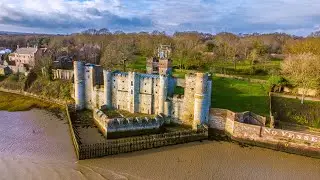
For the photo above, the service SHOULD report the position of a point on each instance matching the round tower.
(200, 99)
(79, 95)
(107, 78)
(163, 85)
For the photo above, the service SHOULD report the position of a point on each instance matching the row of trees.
(191, 50)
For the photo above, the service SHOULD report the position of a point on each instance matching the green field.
(14, 102)
(138, 64)
(239, 96)
(292, 111)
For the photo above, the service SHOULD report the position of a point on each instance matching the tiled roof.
(26, 50)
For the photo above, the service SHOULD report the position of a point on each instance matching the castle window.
(131, 83)
(131, 91)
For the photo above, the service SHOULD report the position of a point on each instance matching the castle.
(97, 88)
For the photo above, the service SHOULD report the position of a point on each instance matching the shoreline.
(14, 101)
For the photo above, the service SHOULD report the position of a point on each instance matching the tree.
(303, 70)
(228, 46)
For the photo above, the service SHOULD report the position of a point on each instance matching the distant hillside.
(21, 33)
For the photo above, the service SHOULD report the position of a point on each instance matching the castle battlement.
(142, 93)
(126, 124)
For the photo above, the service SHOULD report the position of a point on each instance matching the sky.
(299, 17)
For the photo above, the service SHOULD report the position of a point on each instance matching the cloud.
(68, 15)
(239, 16)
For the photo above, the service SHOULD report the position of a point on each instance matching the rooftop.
(27, 50)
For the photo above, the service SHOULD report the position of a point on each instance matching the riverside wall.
(224, 122)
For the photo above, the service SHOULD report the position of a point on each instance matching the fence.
(124, 145)
(75, 137)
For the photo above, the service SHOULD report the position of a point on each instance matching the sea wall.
(225, 122)
(138, 143)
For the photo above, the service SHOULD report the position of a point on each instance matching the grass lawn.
(239, 96)
(14, 102)
(292, 111)
(138, 64)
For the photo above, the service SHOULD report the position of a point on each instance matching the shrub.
(275, 83)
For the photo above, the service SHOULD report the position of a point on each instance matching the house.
(63, 62)
(24, 59)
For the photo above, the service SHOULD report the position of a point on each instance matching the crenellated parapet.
(134, 124)
(107, 124)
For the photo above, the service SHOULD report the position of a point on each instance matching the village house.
(24, 59)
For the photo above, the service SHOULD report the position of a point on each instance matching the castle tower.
(200, 100)
(165, 64)
(107, 78)
(133, 87)
(89, 78)
(161, 63)
(163, 85)
(79, 84)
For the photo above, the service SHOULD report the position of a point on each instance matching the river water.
(36, 145)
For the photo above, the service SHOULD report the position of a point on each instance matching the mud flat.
(36, 144)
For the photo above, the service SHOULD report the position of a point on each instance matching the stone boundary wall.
(106, 124)
(293, 96)
(278, 139)
(241, 78)
(299, 91)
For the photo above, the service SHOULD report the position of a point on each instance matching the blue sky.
(299, 17)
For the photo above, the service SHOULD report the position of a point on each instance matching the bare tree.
(303, 70)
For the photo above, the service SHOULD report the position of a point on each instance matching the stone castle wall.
(62, 74)
(109, 125)
(142, 93)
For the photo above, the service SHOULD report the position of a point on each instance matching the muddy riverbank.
(36, 144)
